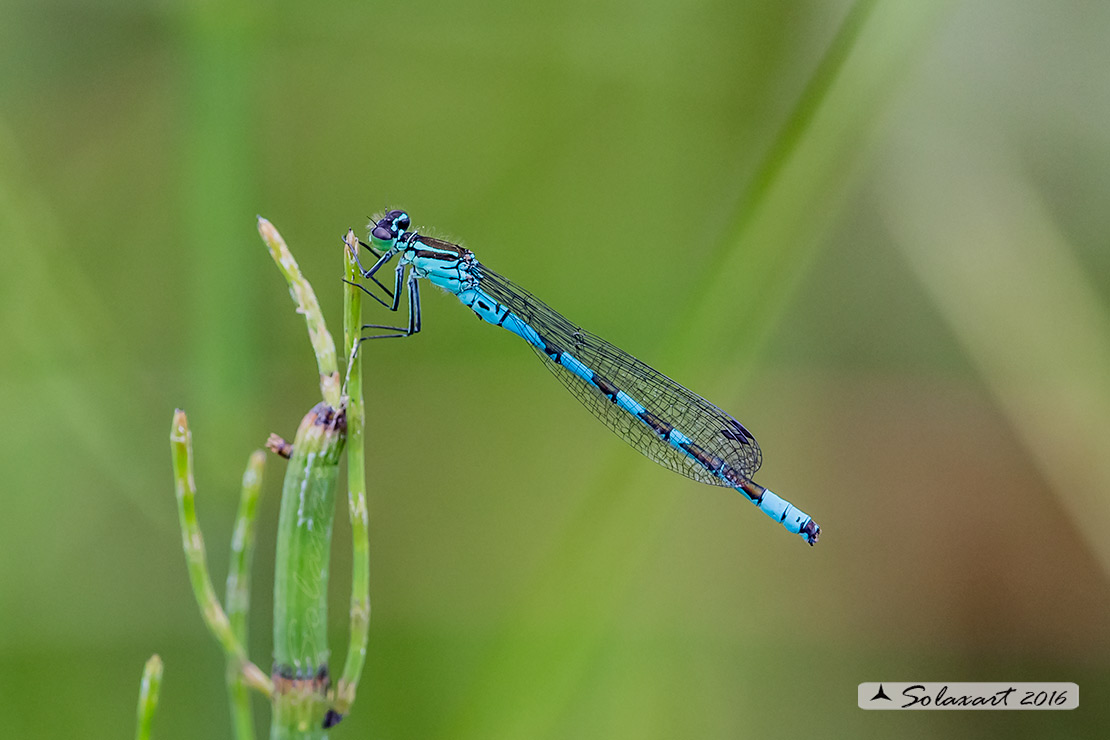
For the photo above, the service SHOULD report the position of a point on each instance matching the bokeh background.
(877, 232)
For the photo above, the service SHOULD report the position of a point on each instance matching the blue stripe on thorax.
(446, 269)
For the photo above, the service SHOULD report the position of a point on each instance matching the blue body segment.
(660, 418)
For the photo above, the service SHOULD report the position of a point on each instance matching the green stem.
(181, 447)
(300, 670)
(356, 490)
(305, 298)
(148, 697)
(237, 596)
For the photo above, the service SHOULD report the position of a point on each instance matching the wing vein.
(712, 430)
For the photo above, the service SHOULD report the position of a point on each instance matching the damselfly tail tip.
(812, 532)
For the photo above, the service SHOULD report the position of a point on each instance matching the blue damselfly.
(663, 420)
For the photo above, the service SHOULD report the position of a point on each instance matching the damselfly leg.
(370, 273)
(382, 259)
(414, 310)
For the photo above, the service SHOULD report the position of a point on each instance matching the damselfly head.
(399, 218)
(390, 228)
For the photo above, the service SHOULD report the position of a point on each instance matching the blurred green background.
(875, 232)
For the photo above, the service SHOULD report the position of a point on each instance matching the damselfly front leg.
(370, 273)
(383, 259)
(414, 310)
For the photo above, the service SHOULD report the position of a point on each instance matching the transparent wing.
(707, 426)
